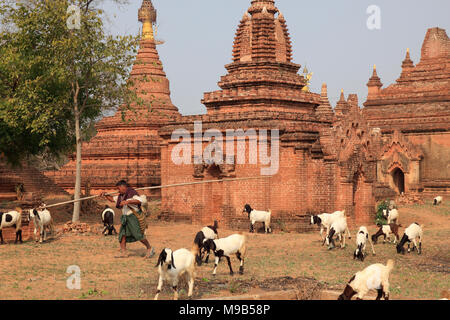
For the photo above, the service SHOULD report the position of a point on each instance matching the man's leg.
(123, 248)
(150, 251)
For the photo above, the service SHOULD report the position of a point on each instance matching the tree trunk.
(77, 195)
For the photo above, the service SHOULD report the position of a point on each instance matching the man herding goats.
(133, 223)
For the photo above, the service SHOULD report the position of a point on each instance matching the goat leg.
(229, 265)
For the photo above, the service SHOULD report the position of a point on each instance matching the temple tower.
(127, 144)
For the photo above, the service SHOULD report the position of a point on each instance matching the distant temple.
(330, 159)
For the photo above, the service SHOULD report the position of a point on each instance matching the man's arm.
(108, 197)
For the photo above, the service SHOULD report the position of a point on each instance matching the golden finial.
(147, 15)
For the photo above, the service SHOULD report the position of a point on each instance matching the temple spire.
(407, 63)
(324, 110)
(147, 15)
(374, 84)
(342, 105)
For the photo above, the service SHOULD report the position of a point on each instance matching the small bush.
(380, 219)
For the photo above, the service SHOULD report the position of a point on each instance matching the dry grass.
(276, 261)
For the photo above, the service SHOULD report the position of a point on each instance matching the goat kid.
(338, 227)
(258, 216)
(207, 233)
(325, 220)
(374, 277)
(41, 220)
(11, 219)
(391, 215)
(234, 244)
(386, 231)
(413, 233)
(437, 201)
(361, 239)
(172, 265)
(108, 221)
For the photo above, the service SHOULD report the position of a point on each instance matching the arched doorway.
(399, 180)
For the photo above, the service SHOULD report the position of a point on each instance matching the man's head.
(122, 186)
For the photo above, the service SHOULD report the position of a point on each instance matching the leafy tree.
(57, 77)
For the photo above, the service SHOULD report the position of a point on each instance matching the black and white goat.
(386, 231)
(258, 216)
(437, 201)
(391, 215)
(234, 244)
(172, 265)
(413, 233)
(325, 220)
(361, 240)
(207, 233)
(42, 219)
(338, 228)
(11, 219)
(108, 221)
(374, 277)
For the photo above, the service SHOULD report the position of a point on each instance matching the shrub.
(380, 219)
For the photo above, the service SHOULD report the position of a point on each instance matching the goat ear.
(173, 264)
(162, 258)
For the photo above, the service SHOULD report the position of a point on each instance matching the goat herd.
(172, 265)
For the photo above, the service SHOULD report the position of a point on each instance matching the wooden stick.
(155, 187)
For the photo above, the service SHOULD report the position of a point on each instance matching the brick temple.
(346, 157)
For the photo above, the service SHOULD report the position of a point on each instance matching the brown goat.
(386, 231)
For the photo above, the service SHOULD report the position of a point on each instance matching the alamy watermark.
(374, 20)
(74, 19)
(229, 149)
(73, 282)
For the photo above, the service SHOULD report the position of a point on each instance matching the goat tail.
(390, 264)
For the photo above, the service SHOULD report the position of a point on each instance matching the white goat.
(41, 219)
(209, 232)
(338, 227)
(361, 239)
(437, 201)
(234, 244)
(374, 277)
(11, 219)
(325, 220)
(413, 233)
(172, 265)
(391, 215)
(258, 216)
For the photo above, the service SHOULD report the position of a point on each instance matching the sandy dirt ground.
(277, 261)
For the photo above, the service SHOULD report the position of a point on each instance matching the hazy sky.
(329, 36)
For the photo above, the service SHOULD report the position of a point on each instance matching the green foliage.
(380, 219)
(50, 74)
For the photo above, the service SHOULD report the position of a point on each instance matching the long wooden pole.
(156, 187)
